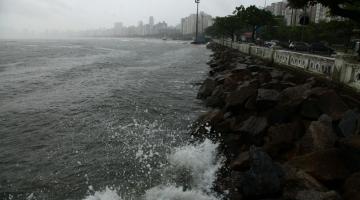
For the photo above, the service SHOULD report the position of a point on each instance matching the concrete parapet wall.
(339, 69)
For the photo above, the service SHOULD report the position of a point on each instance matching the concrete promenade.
(343, 69)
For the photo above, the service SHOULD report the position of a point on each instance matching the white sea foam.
(107, 194)
(189, 176)
(201, 161)
(176, 193)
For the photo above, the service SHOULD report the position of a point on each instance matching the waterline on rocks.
(190, 175)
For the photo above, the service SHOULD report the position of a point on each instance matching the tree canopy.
(225, 26)
(344, 8)
(243, 19)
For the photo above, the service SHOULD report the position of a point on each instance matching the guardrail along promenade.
(340, 69)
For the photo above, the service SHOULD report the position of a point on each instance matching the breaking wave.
(190, 175)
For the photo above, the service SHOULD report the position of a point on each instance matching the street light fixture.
(197, 20)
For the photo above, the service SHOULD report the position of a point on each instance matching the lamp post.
(197, 20)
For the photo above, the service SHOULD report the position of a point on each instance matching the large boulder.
(217, 97)
(294, 96)
(301, 186)
(281, 138)
(351, 148)
(252, 129)
(276, 74)
(238, 98)
(276, 85)
(206, 123)
(264, 179)
(319, 136)
(240, 75)
(352, 187)
(327, 166)
(264, 76)
(207, 88)
(267, 98)
(350, 124)
(280, 115)
(310, 110)
(297, 180)
(331, 104)
(241, 162)
(226, 126)
(316, 195)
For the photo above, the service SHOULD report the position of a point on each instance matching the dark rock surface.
(207, 88)
(265, 178)
(286, 135)
(352, 187)
(350, 124)
(326, 165)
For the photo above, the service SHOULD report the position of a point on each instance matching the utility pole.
(202, 23)
(197, 20)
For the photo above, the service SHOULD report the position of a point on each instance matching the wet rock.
(293, 78)
(352, 187)
(276, 85)
(207, 88)
(264, 179)
(297, 180)
(316, 195)
(230, 84)
(264, 77)
(240, 66)
(281, 138)
(213, 65)
(217, 97)
(267, 98)
(240, 75)
(280, 115)
(228, 115)
(258, 68)
(351, 148)
(275, 74)
(288, 77)
(331, 104)
(251, 103)
(350, 124)
(206, 122)
(233, 143)
(252, 129)
(238, 97)
(310, 109)
(226, 126)
(241, 162)
(294, 96)
(319, 136)
(326, 166)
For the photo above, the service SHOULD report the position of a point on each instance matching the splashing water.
(107, 194)
(190, 175)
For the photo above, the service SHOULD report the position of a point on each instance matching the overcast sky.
(90, 14)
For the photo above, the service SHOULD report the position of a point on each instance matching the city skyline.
(64, 15)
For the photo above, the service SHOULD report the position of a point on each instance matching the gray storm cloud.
(40, 15)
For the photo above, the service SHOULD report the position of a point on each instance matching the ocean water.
(103, 119)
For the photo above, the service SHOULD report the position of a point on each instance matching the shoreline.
(285, 135)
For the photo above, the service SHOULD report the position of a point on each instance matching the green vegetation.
(334, 32)
(262, 24)
(242, 20)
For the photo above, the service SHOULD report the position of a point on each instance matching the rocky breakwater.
(286, 135)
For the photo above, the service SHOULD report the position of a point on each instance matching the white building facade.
(188, 24)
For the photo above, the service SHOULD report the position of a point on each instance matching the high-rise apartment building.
(316, 13)
(188, 24)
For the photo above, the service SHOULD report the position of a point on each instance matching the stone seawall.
(286, 136)
(341, 69)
